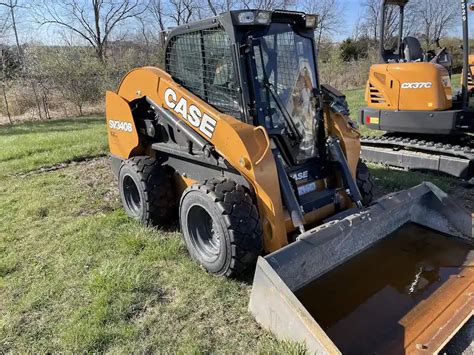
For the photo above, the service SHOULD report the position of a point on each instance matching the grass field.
(77, 275)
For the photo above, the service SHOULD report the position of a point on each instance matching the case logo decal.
(205, 123)
(302, 175)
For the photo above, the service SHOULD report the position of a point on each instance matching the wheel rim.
(131, 194)
(203, 232)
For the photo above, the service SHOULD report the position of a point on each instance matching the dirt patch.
(96, 183)
(63, 165)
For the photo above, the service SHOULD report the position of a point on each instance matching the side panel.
(422, 86)
(382, 90)
(409, 86)
(121, 129)
(245, 147)
(276, 308)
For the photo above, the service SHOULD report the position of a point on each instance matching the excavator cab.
(406, 48)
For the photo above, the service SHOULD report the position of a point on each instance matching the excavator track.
(452, 155)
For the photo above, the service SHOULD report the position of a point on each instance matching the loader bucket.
(361, 303)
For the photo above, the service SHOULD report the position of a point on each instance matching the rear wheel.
(365, 183)
(146, 191)
(221, 227)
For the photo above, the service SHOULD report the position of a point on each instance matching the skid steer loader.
(238, 139)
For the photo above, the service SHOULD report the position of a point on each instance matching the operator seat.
(412, 49)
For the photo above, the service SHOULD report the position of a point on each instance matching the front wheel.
(221, 227)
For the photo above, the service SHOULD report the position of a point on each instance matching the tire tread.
(242, 221)
(160, 200)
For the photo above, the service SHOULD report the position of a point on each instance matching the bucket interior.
(363, 304)
(395, 278)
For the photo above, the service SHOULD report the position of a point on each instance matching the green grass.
(76, 274)
(31, 145)
(391, 180)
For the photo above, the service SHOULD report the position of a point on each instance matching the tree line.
(86, 46)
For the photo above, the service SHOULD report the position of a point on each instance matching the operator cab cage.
(408, 49)
(257, 66)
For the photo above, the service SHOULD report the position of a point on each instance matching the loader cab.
(257, 66)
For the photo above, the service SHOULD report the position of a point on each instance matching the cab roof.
(396, 2)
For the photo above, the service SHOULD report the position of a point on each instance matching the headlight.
(263, 17)
(246, 18)
(311, 21)
(254, 18)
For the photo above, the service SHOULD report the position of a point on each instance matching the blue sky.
(352, 10)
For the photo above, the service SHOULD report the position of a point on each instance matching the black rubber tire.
(146, 191)
(365, 183)
(232, 241)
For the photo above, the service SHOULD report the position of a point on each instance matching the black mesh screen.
(201, 61)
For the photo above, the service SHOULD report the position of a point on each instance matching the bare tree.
(12, 6)
(181, 11)
(436, 17)
(92, 20)
(370, 22)
(218, 6)
(371, 16)
(4, 91)
(328, 17)
(158, 15)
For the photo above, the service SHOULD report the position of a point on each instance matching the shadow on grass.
(394, 180)
(246, 277)
(65, 125)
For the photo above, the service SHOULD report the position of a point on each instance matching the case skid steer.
(238, 139)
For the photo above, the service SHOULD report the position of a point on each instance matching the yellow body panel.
(121, 130)
(409, 87)
(243, 146)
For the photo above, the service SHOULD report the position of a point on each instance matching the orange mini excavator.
(409, 96)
